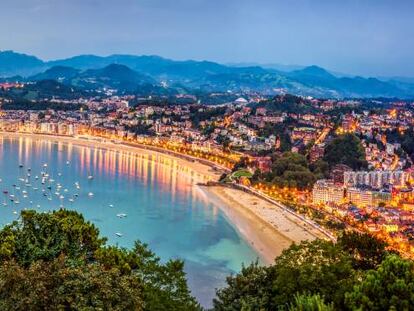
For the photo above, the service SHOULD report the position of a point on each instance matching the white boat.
(90, 194)
(118, 234)
(111, 205)
(90, 177)
(14, 212)
(121, 215)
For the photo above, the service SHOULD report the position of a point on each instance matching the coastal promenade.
(269, 226)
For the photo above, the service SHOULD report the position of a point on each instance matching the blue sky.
(366, 37)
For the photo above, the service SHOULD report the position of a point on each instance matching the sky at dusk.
(366, 37)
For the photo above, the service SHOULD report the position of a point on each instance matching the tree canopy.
(58, 261)
(290, 170)
(356, 273)
(390, 287)
(346, 149)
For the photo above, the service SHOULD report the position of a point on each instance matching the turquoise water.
(163, 206)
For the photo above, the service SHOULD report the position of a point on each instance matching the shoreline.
(267, 228)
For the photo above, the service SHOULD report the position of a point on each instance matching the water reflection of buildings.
(166, 172)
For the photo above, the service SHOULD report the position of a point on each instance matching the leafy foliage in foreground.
(310, 303)
(58, 261)
(356, 273)
(390, 287)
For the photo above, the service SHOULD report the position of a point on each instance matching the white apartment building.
(375, 179)
(326, 192)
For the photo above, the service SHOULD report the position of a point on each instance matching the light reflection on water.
(164, 208)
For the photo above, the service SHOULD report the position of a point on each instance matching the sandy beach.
(268, 228)
(265, 226)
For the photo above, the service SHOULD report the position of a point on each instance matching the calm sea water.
(163, 206)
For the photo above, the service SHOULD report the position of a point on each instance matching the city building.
(327, 192)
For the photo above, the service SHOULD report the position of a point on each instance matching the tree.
(390, 287)
(291, 170)
(58, 261)
(164, 285)
(41, 236)
(317, 267)
(248, 290)
(62, 285)
(310, 303)
(367, 252)
(320, 169)
(242, 163)
(346, 149)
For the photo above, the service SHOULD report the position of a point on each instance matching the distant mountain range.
(157, 74)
